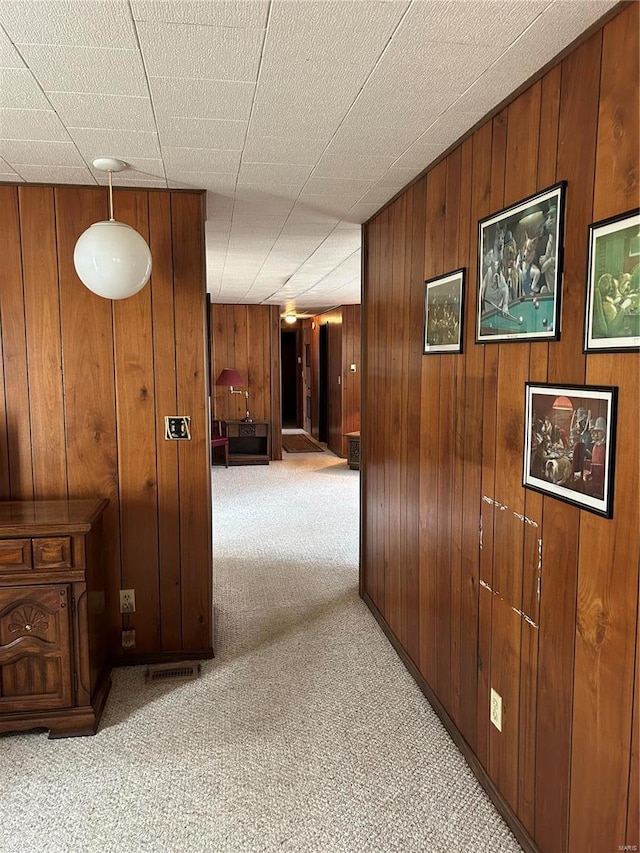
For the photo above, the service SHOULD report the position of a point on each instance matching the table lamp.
(229, 378)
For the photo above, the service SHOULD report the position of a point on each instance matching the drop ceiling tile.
(397, 178)
(449, 127)
(212, 53)
(419, 155)
(326, 203)
(10, 178)
(471, 22)
(259, 220)
(386, 141)
(32, 124)
(180, 132)
(231, 13)
(273, 173)
(210, 99)
(218, 206)
(87, 109)
(390, 108)
(124, 144)
(39, 153)
(139, 168)
(67, 22)
(336, 186)
(201, 160)
(335, 32)
(358, 166)
(218, 182)
(56, 175)
(283, 149)
(9, 56)
(86, 69)
(362, 212)
(19, 90)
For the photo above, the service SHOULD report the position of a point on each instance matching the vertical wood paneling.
(609, 551)
(430, 391)
(560, 535)
(275, 360)
(522, 144)
(101, 376)
(194, 455)
(136, 426)
(164, 357)
(87, 355)
(415, 305)
(42, 310)
(565, 764)
(5, 489)
(16, 379)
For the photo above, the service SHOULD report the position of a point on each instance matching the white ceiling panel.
(283, 149)
(55, 174)
(69, 22)
(125, 144)
(19, 90)
(9, 56)
(40, 153)
(211, 53)
(87, 109)
(299, 118)
(180, 132)
(210, 99)
(32, 124)
(230, 13)
(201, 160)
(74, 68)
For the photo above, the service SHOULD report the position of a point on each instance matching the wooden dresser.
(54, 670)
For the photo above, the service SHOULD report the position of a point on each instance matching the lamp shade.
(112, 260)
(230, 378)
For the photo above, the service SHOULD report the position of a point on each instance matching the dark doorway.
(288, 356)
(323, 366)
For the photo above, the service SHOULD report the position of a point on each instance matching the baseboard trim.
(513, 822)
(161, 657)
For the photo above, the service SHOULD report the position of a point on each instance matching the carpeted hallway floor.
(305, 734)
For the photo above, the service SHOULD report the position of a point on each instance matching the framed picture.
(443, 313)
(569, 443)
(612, 315)
(520, 270)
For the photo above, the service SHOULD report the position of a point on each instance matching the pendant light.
(111, 258)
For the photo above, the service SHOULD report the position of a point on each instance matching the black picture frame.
(570, 443)
(520, 256)
(443, 318)
(612, 308)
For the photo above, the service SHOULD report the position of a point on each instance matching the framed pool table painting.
(520, 270)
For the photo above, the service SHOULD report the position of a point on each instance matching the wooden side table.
(249, 442)
(353, 449)
(54, 667)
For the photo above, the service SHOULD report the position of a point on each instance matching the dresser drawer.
(15, 555)
(53, 552)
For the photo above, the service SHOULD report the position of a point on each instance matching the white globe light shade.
(112, 260)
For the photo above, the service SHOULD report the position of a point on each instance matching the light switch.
(352, 368)
(177, 428)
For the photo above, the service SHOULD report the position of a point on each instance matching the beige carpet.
(306, 734)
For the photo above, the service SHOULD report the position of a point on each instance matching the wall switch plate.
(128, 639)
(352, 368)
(496, 709)
(177, 428)
(127, 601)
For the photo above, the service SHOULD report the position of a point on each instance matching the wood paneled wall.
(443, 440)
(343, 386)
(247, 338)
(85, 385)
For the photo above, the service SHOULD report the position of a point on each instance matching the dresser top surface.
(42, 517)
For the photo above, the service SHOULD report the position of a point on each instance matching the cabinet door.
(35, 654)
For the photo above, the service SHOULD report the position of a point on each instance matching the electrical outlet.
(128, 639)
(496, 709)
(127, 601)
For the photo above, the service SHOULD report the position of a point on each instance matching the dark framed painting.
(520, 269)
(569, 443)
(444, 313)
(612, 314)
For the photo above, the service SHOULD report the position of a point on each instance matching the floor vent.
(173, 672)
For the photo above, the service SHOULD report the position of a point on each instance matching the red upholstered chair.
(218, 440)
